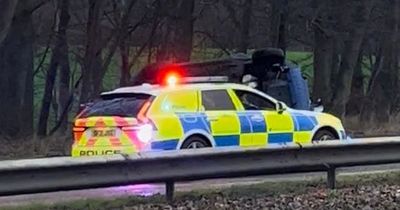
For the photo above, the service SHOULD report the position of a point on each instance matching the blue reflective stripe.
(196, 121)
(232, 140)
(303, 122)
(314, 120)
(295, 123)
(276, 138)
(245, 125)
(164, 145)
(258, 122)
(252, 122)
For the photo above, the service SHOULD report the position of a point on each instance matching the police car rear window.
(216, 100)
(116, 105)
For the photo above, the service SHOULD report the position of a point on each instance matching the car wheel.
(195, 142)
(324, 135)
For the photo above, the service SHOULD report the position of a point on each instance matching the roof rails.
(212, 79)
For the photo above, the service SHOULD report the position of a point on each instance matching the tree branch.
(7, 10)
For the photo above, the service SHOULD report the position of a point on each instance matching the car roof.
(156, 90)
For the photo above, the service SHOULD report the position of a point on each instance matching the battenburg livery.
(195, 115)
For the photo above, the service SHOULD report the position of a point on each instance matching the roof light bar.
(213, 79)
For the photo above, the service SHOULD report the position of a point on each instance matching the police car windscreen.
(122, 106)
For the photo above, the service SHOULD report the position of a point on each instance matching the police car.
(196, 112)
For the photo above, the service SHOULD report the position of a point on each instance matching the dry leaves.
(359, 197)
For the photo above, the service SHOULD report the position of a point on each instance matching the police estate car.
(194, 115)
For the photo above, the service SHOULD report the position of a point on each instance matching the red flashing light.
(172, 79)
(170, 75)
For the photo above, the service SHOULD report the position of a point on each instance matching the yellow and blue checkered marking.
(303, 122)
(251, 122)
(280, 138)
(192, 121)
(165, 145)
(228, 140)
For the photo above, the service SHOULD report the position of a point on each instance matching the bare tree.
(352, 45)
(92, 71)
(353, 107)
(383, 91)
(16, 72)
(240, 15)
(64, 70)
(245, 26)
(59, 59)
(6, 14)
(177, 30)
(278, 24)
(323, 50)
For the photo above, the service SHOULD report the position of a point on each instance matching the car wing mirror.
(318, 106)
(281, 107)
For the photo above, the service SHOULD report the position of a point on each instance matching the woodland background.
(56, 54)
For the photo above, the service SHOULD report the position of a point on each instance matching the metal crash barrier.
(67, 173)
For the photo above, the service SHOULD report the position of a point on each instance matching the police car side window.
(253, 101)
(180, 101)
(216, 100)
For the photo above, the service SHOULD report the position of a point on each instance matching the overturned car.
(266, 70)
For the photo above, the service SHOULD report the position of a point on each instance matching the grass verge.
(267, 189)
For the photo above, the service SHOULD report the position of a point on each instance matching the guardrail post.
(169, 191)
(331, 177)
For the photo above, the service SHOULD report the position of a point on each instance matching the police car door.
(268, 126)
(222, 118)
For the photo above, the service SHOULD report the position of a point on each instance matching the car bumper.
(101, 151)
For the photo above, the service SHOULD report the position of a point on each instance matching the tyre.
(267, 53)
(324, 135)
(195, 142)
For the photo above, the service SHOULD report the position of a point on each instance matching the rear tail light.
(144, 132)
(78, 132)
(78, 129)
(141, 116)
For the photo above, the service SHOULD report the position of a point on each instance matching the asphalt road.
(152, 189)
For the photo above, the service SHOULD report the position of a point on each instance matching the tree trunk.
(322, 66)
(278, 23)
(59, 57)
(368, 102)
(16, 76)
(92, 72)
(64, 69)
(48, 93)
(177, 35)
(123, 42)
(351, 49)
(384, 84)
(125, 68)
(354, 106)
(245, 26)
(7, 9)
